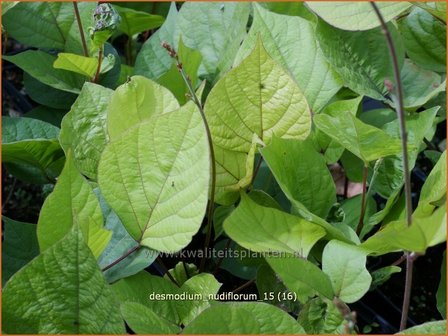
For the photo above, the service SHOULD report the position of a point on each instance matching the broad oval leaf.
(243, 318)
(303, 171)
(263, 229)
(137, 100)
(76, 63)
(424, 38)
(165, 158)
(248, 101)
(346, 266)
(64, 282)
(83, 129)
(285, 37)
(356, 15)
(366, 142)
(430, 328)
(72, 202)
(133, 21)
(361, 58)
(30, 149)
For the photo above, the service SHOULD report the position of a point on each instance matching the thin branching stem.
(98, 68)
(407, 175)
(81, 30)
(198, 103)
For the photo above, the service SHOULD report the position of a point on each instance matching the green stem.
(98, 69)
(363, 200)
(407, 175)
(81, 30)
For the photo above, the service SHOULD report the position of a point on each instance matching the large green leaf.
(62, 291)
(424, 38)
(356, 15)
(244, 318)
(83, 65)
(419, 85)
(302, 171)
(246, 101)
(285, 37)
(165, 158)
(301, 276)
(425, 231)
(39, 64)
(143, 320)
(352, 211)
(366, 142)
(133, 21)
(436, 8)
(30, 149)
(120, 243)
(153, 60)
(268, 229)
(72, 202)
(18, 247)
(361, 58)
(137, 100)
(430, 328)
(84, 128)
(346, 266)
(215, 29)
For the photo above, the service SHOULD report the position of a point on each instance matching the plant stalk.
(195, 99)
(98, 69)
(407, 175)
(363, 200)
(81, 30)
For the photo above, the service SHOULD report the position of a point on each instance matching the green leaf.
(47, 95)
(425, 231)
(143, 320)
(46, 114)
(39, 64)
(433, 191)
(382, 275)
(179, 272)
(301, 276)
(285, 37)
(40, 25)
(356, 16)
(332, 149)
(215, 30)
(270, 230)
(289, 8)
(235, 115)
(361, 58)
(120, 243)
(235, 266)
(71, 203)
(419, 85)
(19, 246)
(163, 159)
(321, 316)
(441, 291)
(84, 128)
(30, 149)
(63, 283)
(437, 9)
(346, 266)
(366, 142)
(424, 38)
(133, 21)
(220, 214)
(433, 328)
(85, 66)
(173, 80)
(303, 171)
(137, 100)
(153, 60)
(390, 173)
(352, 211)
(243, 318)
